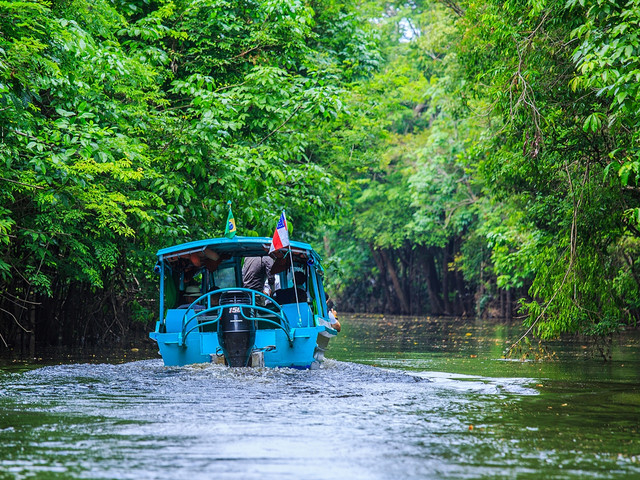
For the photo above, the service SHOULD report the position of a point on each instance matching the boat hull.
(305, 350)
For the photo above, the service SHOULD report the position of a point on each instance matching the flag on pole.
(280, 236)
(230, 229)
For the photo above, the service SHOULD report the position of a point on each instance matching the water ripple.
(142, 420)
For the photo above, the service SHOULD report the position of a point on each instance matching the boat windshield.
(196, 268)
(225, 277)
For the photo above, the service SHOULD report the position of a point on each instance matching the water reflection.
(477, 347)
(444, 408)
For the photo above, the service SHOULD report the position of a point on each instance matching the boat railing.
(217, 310)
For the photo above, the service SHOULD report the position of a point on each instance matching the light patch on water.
(479, 384)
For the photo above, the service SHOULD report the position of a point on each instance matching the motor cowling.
(236, 333)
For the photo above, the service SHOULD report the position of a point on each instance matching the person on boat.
(288, 295)
(333, 315)
(191, 294)
(256, 274)
(215, 298)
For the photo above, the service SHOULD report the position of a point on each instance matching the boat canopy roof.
(216, 250)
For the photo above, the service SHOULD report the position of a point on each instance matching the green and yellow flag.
(230, 229)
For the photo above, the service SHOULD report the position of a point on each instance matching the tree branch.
(21, 183)
(279, 126)
(15, 320)
(453, 6)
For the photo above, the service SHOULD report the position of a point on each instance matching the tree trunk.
(445, 280)
(433, 282)
(404, 274)
(461, 305)
(404, 305)
(509, 306)
(382, 277)
(413, 278)
(32, 325)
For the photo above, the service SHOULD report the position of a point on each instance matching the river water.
(399, 398)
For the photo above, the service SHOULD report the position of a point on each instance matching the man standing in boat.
(257, 270)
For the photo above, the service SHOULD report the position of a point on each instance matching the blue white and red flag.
(280, 236)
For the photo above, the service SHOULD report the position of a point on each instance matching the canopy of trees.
(460, 158)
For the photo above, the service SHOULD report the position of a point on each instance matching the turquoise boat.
(236, 326)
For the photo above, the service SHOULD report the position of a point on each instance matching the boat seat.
(272, 315)
(290, 311)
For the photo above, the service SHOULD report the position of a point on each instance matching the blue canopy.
(236, 246)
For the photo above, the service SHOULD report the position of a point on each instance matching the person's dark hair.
(300, 277)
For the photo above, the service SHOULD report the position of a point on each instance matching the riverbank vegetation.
(453, 158)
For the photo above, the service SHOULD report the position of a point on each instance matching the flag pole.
(230, 228)
(293, 275)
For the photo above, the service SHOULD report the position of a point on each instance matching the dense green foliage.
(452, 158)
(510, 169)
(127, 125)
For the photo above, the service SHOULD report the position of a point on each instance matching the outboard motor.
(236, 334)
